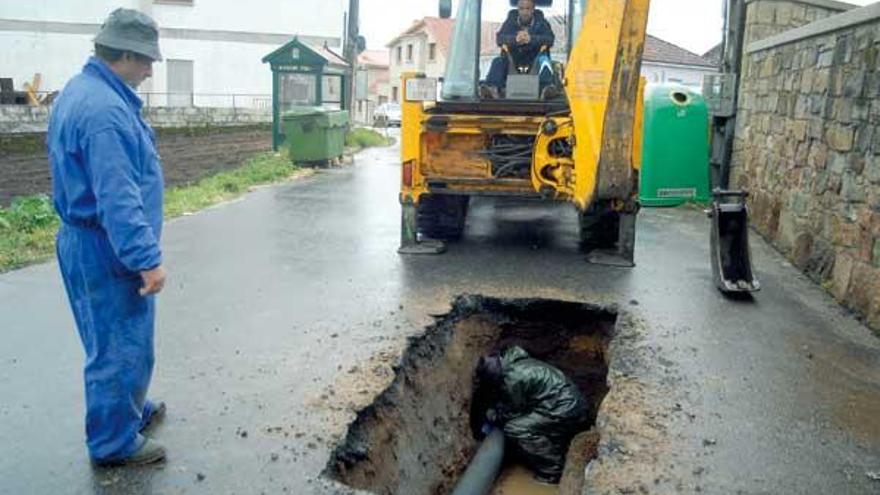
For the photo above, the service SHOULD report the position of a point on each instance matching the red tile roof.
(331, 56)
(664, 52)
(441, 31)
(715, 55)
(656, 50)
(377, 79)
(374, 58)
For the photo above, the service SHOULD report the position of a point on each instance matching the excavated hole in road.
(415, 438)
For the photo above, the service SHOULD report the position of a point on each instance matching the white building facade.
(212, 48)
(421, 48)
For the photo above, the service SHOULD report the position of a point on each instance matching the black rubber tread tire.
(442, 217)
(599, 227)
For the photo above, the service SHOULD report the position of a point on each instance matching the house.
(715, 55)
(371, 84)
(423, 47)
(665, 62)
(212, 49)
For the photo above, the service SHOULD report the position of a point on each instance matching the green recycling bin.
(675, 147)
(314, 134)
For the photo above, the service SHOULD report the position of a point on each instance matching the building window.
(409, 53)
(432, 51)
(399, 54)
(394, 94)
(180, 83)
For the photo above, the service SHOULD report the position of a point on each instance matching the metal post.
(350, 53)
(724, 126)
(276, 137)
(479, 47)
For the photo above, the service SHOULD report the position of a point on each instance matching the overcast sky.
(693, 24)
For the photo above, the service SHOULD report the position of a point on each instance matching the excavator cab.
(523, 79)
(579, 144)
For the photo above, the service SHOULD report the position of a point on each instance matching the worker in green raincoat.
(539, 408)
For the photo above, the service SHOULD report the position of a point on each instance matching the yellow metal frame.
(604, 127)
(412, 115)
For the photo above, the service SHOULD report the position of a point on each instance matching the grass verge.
(361, 137)
(28, 226)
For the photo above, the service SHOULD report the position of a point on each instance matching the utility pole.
(351, 51)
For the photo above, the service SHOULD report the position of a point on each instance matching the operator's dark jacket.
(539, 29)
(540, 408)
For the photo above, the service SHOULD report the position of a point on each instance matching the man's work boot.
(550, 93)
(155, 418)
(150, 452)
(547, 479)
(488, 92)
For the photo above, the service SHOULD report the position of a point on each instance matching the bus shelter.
(305, 76)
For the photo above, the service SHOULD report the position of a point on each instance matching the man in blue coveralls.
(107, 188)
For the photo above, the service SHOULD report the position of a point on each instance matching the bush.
(28, 214)
(365, 138)
(28, 226)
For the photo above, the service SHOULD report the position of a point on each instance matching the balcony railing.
(256, 101)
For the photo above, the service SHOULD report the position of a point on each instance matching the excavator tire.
(599, 227)
(442, 217)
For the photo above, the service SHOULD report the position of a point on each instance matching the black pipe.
(480, 475)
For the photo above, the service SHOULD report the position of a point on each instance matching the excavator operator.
(525, 40)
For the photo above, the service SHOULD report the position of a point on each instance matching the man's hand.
(154, 281)
(523, 37)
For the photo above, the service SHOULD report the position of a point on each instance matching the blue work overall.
(107, 189)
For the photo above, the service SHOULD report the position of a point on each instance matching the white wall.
(305, 17)
(25, 54)
(218, 66)
(308, 17)
(419, 63)
(80, 11)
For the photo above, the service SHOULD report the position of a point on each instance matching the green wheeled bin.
(675, 153)
(314, 135)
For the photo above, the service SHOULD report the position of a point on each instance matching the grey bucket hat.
(131, 30)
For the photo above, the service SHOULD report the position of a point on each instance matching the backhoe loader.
(580, 144)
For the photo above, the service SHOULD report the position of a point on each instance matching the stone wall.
(21, 119)
(808, 148)
(765, 18)
(188, 154)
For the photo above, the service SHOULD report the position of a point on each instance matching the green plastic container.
(675, 148)
(314, 134)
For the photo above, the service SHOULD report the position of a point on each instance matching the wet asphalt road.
(278, 302)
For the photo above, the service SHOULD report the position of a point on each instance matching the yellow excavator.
(580, 144)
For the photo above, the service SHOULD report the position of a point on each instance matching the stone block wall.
(23, 119)
(185, 117)
(808, 148)
(765, 18)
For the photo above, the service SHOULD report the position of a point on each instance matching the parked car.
(387, 115)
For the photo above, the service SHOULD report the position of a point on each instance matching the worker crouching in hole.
(537, 406)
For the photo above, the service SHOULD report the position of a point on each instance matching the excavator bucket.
(731, 255)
